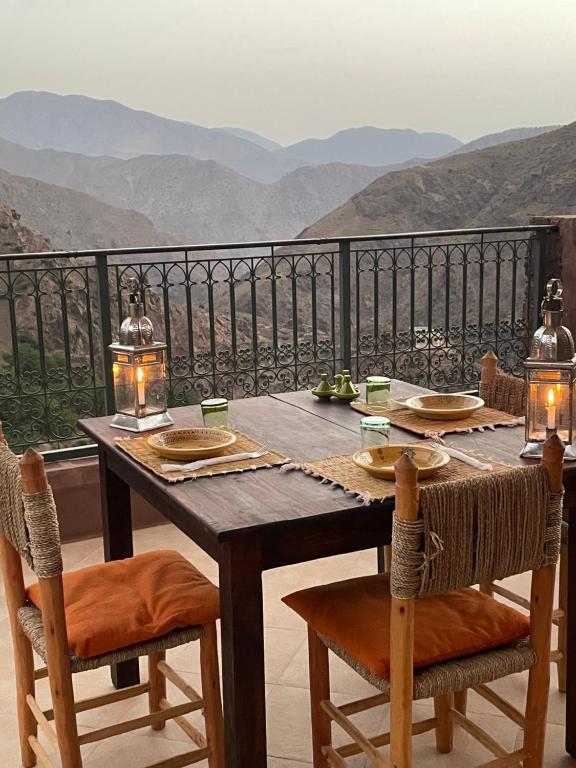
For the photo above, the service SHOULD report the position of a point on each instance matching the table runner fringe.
(368, 498)
(469, 430)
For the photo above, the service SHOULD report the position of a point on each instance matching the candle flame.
(140, 375)
(550, 398)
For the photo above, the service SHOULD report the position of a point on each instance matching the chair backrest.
(499, 390)
(28, 518)
(476, 530)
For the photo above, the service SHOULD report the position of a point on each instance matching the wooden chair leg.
(59, 673)
(539, 675)
(563, 621)
(65, 720)
(445, 728)
(157, 686)
(23, 657)
(319, 691)
(210, 674)
(461, 701)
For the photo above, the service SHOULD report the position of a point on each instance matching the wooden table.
(255, 521)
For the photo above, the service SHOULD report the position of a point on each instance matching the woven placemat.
(483, 418)
(138, 448)
(341, 472)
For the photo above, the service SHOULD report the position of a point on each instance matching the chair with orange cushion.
(95, 617)
(421, 632)
(508, 393)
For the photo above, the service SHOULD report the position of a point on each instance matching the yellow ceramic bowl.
(379, 462)
(444, 407)
(185, 444)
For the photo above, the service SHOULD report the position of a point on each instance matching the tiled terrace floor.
(286, 676)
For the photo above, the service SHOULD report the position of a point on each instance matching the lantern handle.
(554, 288)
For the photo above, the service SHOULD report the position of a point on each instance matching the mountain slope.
(72, 220)
(496, 186)
(196, 201)
(95, 127)
(512, 134)
(255, 138)
(15, 237)
(371, 146)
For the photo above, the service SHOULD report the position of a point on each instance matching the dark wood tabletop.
(253, 521)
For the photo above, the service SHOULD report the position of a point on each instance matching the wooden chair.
(29, 528)
(432, 560)
(508, 393)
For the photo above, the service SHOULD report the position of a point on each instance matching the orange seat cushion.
(116, 604)
(355, 614)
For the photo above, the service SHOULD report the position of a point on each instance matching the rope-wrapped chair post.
(42, 523)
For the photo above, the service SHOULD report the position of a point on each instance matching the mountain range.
(197, 201)
(500, 185)
(371, 146)
(160, 181)
(40, 120)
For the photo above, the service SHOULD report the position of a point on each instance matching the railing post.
(345, 304)
(558, 256)
(538, 278)
(106, 326)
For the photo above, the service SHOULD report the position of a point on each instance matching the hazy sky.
(301, 68)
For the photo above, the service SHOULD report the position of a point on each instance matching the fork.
(216, 460)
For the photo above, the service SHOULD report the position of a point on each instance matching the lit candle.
(141, 387)
(550, 410)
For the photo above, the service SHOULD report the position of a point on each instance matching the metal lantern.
(550, 379)
(139, 371)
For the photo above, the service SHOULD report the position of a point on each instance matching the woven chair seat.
(30, 618)
(455, 675)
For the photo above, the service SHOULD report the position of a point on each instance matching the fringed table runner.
(483, 418)
(341, 472)
(140, 451)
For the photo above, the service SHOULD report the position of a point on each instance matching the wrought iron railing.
(252, 318)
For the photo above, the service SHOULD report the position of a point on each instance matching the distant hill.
(194, 200)
(255, 138)
(371, 146)
(500, 185)
(512, 134)
(40, 120)
(72, 220)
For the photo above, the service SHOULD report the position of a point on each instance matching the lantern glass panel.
(550, 404)
(139, 383)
